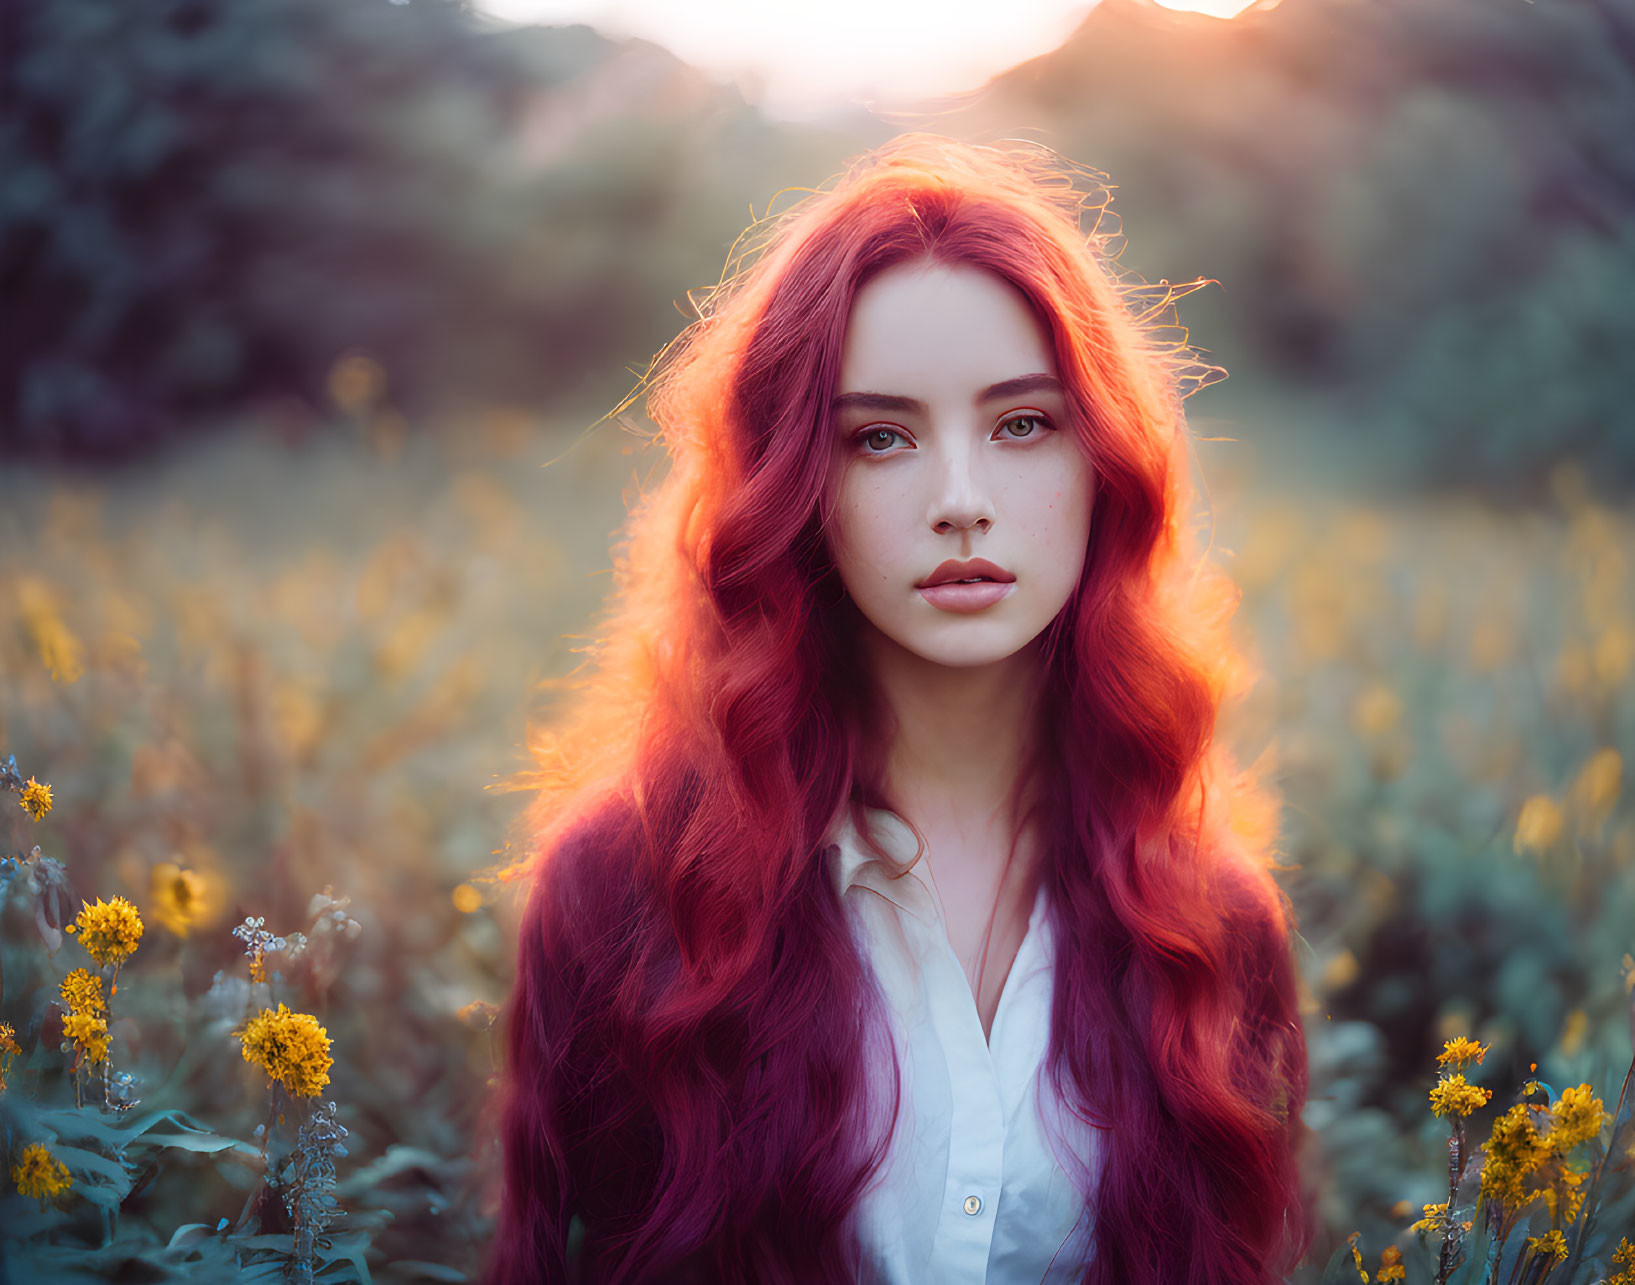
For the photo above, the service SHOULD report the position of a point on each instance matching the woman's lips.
(953, 596)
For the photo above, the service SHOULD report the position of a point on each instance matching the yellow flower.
(1623, 1256)
(478, 1013)
(1391, 1268)
(290, 1047)
(1452, 1095)
(1539, 824)
(61, 651)
(36, 798)
(89, 1033)
(82, 992)
(1435, 1219)
(8, 1050)
(180, 897)
(1461, 1052)
(1562, 1197)
(39, 1173)
(1515, 1150)
(1551, 1243)
(1577, 1116)
(109, 931)
(1356, 1256)
(1596, 789)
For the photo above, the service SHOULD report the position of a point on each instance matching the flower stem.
(1446, 1261)
(266, 1138)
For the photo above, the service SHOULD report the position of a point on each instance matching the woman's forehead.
(926, 329)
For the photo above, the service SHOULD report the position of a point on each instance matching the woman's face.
(951, 445)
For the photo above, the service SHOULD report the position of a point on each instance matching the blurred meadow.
(313, 310)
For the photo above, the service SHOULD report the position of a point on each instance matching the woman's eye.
(1028, 424)
(876, 441)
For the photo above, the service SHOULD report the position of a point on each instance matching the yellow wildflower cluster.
(89, 1034)
(1461, 1052)
(1515, 1149)
(1435, 1220)
(1551, 1245)
(1623, 1257)
(290, 1047)
(1595, 790)
(1453, 1096)
(87, 1021)
(41, 609)
(1525, 1163)
(1539, 824)
(182, 898)
(1391, 1268)
(36, 798)
(39, 1173)
(1577, 1117)
(109, 931)
(82, 992)
(8, 1050)
(1562, 1197)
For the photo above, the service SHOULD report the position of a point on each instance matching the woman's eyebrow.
(1039, 383)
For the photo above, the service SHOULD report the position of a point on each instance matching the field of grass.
(285, 684)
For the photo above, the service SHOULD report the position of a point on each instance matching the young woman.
(895, 915)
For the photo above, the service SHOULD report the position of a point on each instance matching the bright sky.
(800, 56)
(803, 57)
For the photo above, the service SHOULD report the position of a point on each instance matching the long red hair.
(686, 1094)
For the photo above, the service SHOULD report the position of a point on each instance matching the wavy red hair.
(685, 1096)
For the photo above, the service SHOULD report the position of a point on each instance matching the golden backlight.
(1216, 8)
(808, 56)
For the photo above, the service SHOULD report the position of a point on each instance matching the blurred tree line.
(1419, 210)
(205, 204)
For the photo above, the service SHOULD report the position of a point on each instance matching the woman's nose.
(961, 498)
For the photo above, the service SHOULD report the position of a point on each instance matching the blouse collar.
(852, 863)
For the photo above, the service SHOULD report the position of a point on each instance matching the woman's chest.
(973, 1189)
(986, 955)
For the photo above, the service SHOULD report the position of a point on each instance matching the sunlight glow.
(1216, 8)
(804, 56)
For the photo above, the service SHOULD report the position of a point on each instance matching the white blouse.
(972, 1190)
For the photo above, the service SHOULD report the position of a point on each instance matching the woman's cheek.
(868, 529)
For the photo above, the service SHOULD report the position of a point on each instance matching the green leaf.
(349, 1246)
(81, 1161)
(206, 1143)
(108, 1198)
(272, 1273)
(395, 1160)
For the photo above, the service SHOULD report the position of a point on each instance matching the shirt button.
(973, 1204)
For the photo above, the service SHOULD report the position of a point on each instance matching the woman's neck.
(960, 737)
